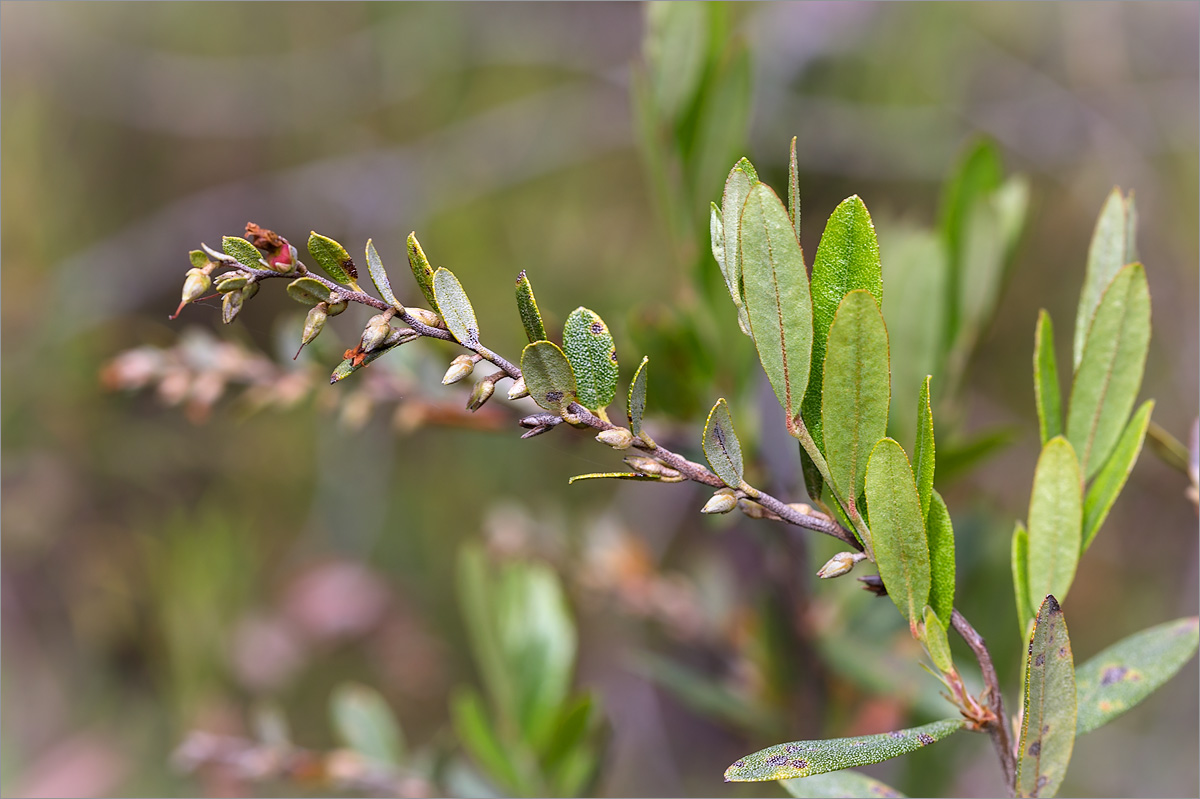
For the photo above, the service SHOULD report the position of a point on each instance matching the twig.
(999, 729)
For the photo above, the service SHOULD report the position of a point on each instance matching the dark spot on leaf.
(799, 764)
(1041, 782)
(348, 265)
(554, 397)
(925, 738)
(1062, 651)
(612, 356)
(597, 329)
(740, 763)
(1035, 748)
(896, 734)
(1040, 659)
(776, 760)
(793, 748)
(1113, 674)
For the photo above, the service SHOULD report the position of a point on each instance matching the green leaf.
(897, 530)
(575, 721)
(837, 784)
(531, 317)
(721, 445)
(1113, 246)
(365, 723)
(923, 449)
(935, 640)
(674, 46)
(199, 258)
(940, 532)
(245, 252)
(478, 599)
(548, 376)
(805, 758)
(1048, 723)
(1130, 670)
(1110, 371)
(742, 178)
(1103, 491)
(1045, 379)
(854, 408)
(794, 189)
(422, 271)
(308, 291)
(847, 259)
(593, 356)
(1055, 521)
(455, 308)
(1020, 575)
(637, 397)
(613, 476)
(333, 258)
(716, 235)
(699, 692)
(957, 457)
(379, 277)
(481, 742)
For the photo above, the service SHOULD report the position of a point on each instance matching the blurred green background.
(169, 569)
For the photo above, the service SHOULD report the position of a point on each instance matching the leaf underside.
(637, 397)
(721, 446)
(456, 308)
(379, 276)
(1048, 724)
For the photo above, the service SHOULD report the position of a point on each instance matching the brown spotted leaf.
(721, 445)
(1048, 723)
(838, 784)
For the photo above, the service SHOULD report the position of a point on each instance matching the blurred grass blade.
(1130, 670)
(548, 376)
(1113, 246)
(637, 397)
(422, 271)
(854, 408)
(455, 308)
(379, 276)
(837, 784)
(481, 742)
(333, 258)
(1055, 521)
(794, 189)
(897, 530)
(847, 259)
(923, 449)
(477, 599)
(935, 640)
(308, 291)
(804, 758)
(1048, 723)
(940, 531)
(1110, 370)
(1045, 379)
(1020, 575)
(1103, 491)
(241, 249)
(742, 178)
(724, 108)
(531, 317)
(593, 355)
(365, 723)
(721, 446)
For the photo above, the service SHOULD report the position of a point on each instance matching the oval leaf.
(777, 299)
(245, 252)
(379, 277)
(1110, 371)
(847, 259)
(835, 784)
(422, 271)
(721, 445)
(593, 356)
(1112, 247)
(1045, 379)
(308, 291)
(364, 722)
(456, 308)
(923, 450)
(1112, 476)
(1048, 724)
(742, 178)
(1055, 522)
(531, 317)
(1131, 669)
(854, 408)
(940, 532)
(548, 376)
(935, 640)
(1020, 575)
(897, 529)
(637, 397)
(333, 258)
(805, 758)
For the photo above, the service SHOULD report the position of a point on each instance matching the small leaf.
(1112, 247)
(742, 178)
(675, 43)
(1055, 521)
(1048, 723)
(837, 784)
(940, 532)
(199, 259)
(1020, 575)
(1130, 670)
(593, 356)
(480, 740)
(456, 308)
(897, 529)
(365, 723)
(923, 449)
(854, 408)
(613, 476)
(1110, 371)
(308, 291)
(379, 277)
(333, 258)
(637, 397)
(847, 259)
(721, 445)
(531, 317)
(716, 235)
(1103, 491)
(245, 252)
(794, 189)
(805, 758)
(422, 271)
(936, 642)
(548, 375)
(1045, 379)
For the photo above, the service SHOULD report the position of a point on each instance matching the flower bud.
(460, 367)
(481, 394)
(722, 501)
(617, 438)
(838, 565)
(231, 305)
(375, 333)
(314, 323)
(427, 317)
(195, 285)
(518, 390)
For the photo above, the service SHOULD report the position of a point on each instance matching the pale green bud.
(231, 305)
(196, 284)
(518, 390)
(481, 394)
(838, 565)
(427, 317)
(654, 468)
(250, 289)
(722, 501)
(336, 308)
(617, 438)
(314, 323)
(461, 367)
(375, 333)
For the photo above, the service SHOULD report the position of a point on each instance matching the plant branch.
(999, 729)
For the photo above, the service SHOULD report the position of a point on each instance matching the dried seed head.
(839, 564)
(518, 390)
(480, 394)
(722, 501)
(461, 367)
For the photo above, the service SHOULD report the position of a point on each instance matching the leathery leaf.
(531, 317)
(923, 449)
(455, 308)
(721, 445)
(742, 178)
(1048, 723)
(593, 356)
(333, 258)
(897, 530)
(637, 397)
(1055, 522)
(548, 376)
(1113, 246)
(1045, 379)
(1103, 491)
(835, 784)
(940, 532)
(379, 276)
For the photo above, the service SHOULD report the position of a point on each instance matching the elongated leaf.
(742, 178)
(1113, 246)
(613, 476)
(719, 130)
(721, 445)
(245, 252)
(716, 235)
(897, 529)
(1020, 575)
(455, 308)
(593, 356)
(994, 224)
(794, 189)
(847, 259)
(548, 376)
(481, 742)
(1045, 379)
(836, 784)
(422, 271)
(854, 408)
(531, 317)
(936, 642)
(1103, 491)
(1055, 521)
(1130, 670)
(1048, 724)
(940, 532)
(365, 723)
(333, 258)
(379, 276)
(777, 299)
(805, 758)
(576, 720)
(675, 43)
(637, 397)
(308, 291)
(478, 599)
(923, 449)
(1110, 371)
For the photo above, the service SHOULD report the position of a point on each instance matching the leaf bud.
(375, 333)
(194, 286)
(539, 420)
(231, 305)
(461, 367)
(654, 468)
(617, 438)
(314, 323)
(722, 501)
(250, 289)
(482, 393)
(753, 509)
(838, 565)
(231, 281)
(336, 308)
(427, 317)
(518, 389)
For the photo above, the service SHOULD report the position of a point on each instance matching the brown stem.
(999, 729)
